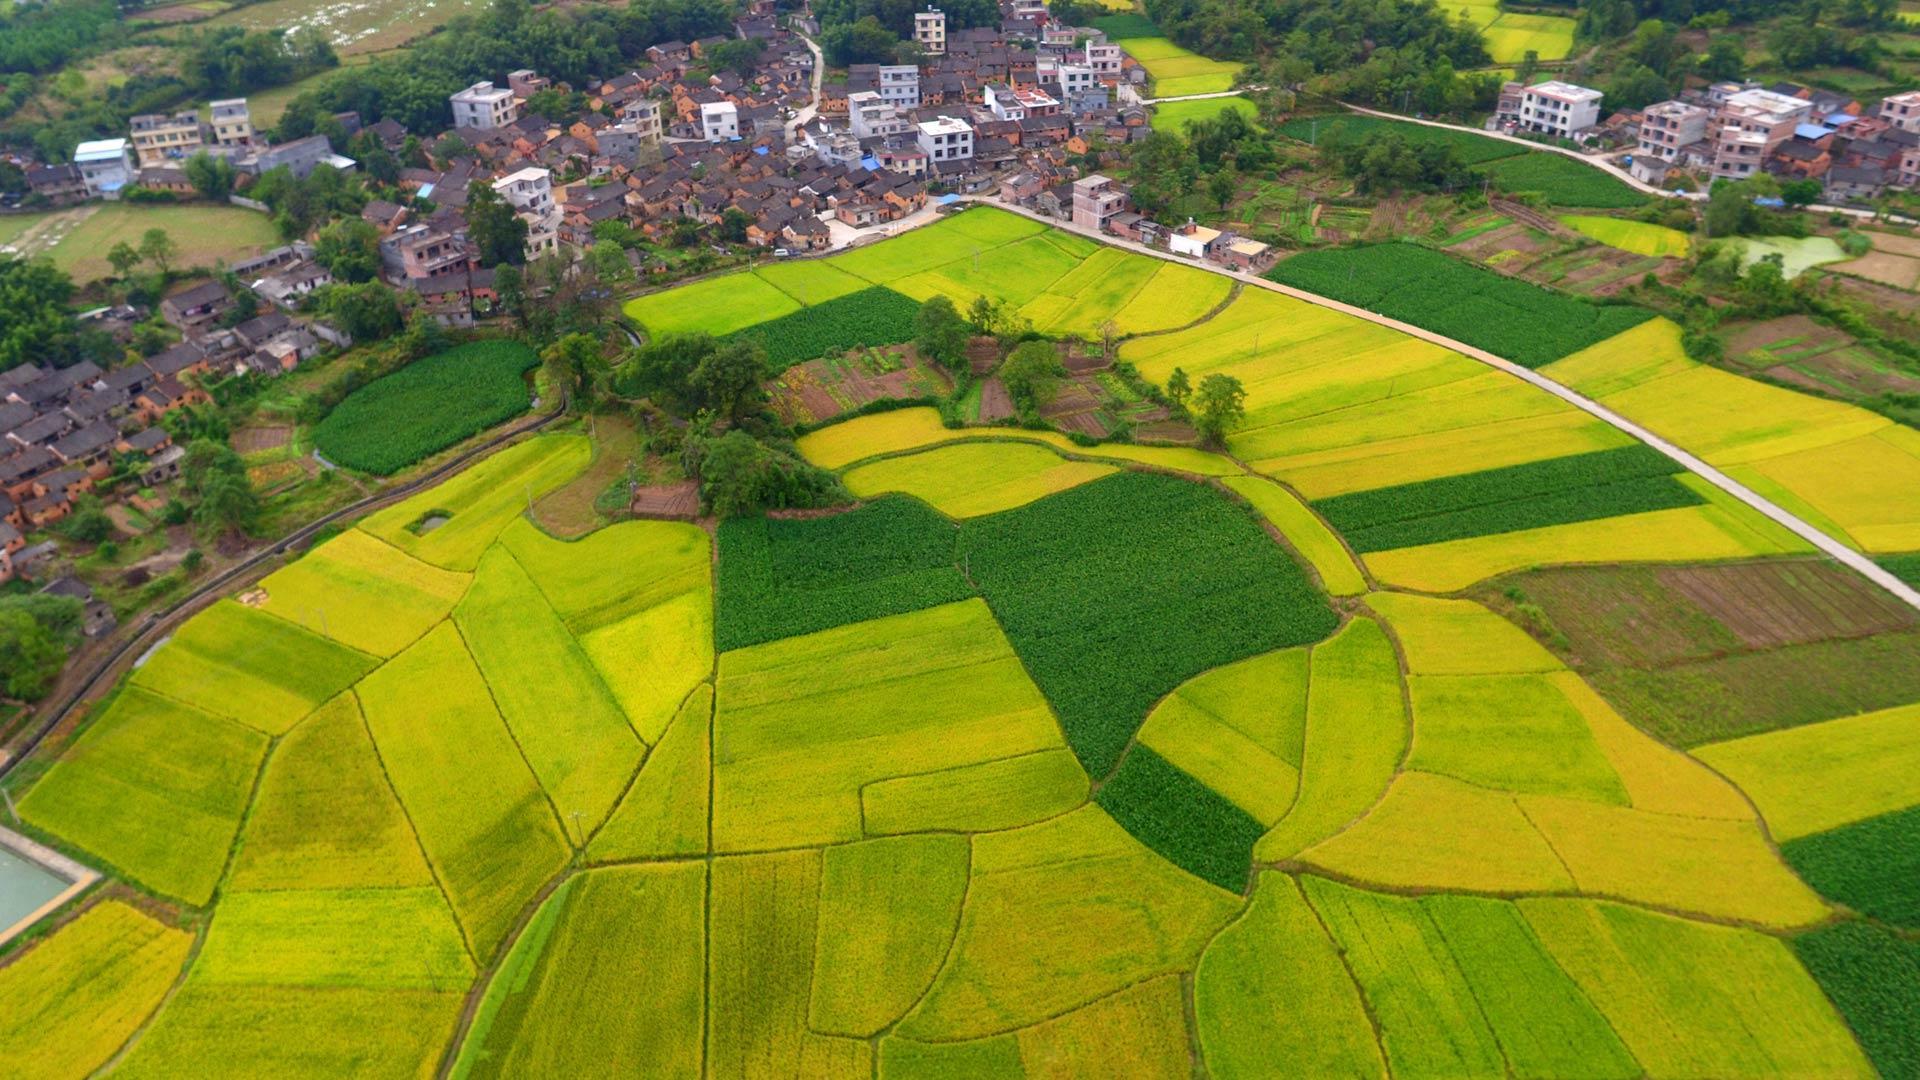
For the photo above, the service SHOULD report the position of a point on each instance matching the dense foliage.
(427, 406)
(44, 38)
(1870, 865)
(739, 474)
(1557, 491)
(568, 44)
(695, 372)
(1873, 977)
(1389, 154)
(784, 577)
(875, 316)
(1184, 820)
(35, 631)
(38, 327)
(1119, 590)
(1522, 322)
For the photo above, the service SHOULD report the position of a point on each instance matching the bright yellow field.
(1821, 776)
(1639, 237)
(1853, 473)
(76, 997)
(363, 592)
(880, 434)
(1459, 637)
(1439, 833)
(970, 479)
(481, 501)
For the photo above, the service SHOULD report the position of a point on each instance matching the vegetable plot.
(427, 406)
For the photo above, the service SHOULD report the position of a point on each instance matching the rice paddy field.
(1175, 71)
(1174, 116)
(1430, 728)
(1639, 237)
(1510, 35)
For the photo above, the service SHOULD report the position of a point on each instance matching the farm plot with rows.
(427, 406)
(1431, 727)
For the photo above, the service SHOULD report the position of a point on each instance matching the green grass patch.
(1184, 820)
(870, 317)
(782, 577)
(1511, 166)
(1870, 865)
(1904, 567)
(1120, 590)
(1557, 491)
(1514, 319)
(427, 406)
(1873, 978)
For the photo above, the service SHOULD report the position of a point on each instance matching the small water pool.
(24, 886)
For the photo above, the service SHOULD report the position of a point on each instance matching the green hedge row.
(1517, 320)
(1558, 491)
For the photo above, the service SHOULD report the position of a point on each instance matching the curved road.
(1869, 569)
(157, 624)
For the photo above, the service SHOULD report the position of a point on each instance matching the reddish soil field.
(995, 403)
(1767, 605)
(681, 500)
(820, 390)
(255, 439)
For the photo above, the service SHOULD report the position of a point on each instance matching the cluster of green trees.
(36, 630)
(1387, 161)
(230, 60)
(570, 44)
(1207, 157)
(38, 325)
(48, 37)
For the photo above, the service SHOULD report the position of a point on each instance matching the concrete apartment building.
(1106, 60)
(643, 115)
(1559, 109)
(719, 121)
(529, 191)
(1096, 199)
(1670, 125)
(930, 31)
(1752, 123)
(946, 139)
(232, 123)
(106, 166)
(483, 107)
(1072, 79)
(900, 85)
(1019, 102)
(159, 138)
(1902, 111)
(870, 116)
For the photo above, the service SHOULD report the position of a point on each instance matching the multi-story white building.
(1902, 111)
(930, 30)
(484, 107)
(1560, 109)
(946, 139)
(106, 166)
(232, 122)
(1670, 125)
(1019, 102)
(1106, 60)
(869, 115)
(530, 192)
(159, 138)
(1751, 124)
(719, 121)
(1072, 79)
(900, 85)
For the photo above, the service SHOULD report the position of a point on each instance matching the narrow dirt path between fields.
(1869, 569)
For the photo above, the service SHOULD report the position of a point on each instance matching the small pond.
(1797, 253)
(24, 886)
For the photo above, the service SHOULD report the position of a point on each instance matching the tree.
(941, 334)
(1730, 209)
(31, 655)
(985, 314)
(1726, 59)
(159, 249)
(572, 366)
(733, 225)
(738, 55)
(1179, 388)
(349, 249)
(88, 524)
(212, 177)
(1801, 192)
(493, 226)
(609, 262)
(1032, 374)
(728, 379)
(1221, 185)
(1220, 405)
(739, 475)
(369, 311)
(862, 42)
(37, 325)
(227, 504)
(123, 258)
(511, 288)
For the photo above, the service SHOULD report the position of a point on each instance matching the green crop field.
(1429, 727)
(427, 406)
(1511, 166)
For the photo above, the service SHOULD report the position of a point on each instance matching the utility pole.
(11, 812)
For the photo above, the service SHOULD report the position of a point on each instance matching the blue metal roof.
(1811, 131)
(1839, 118)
